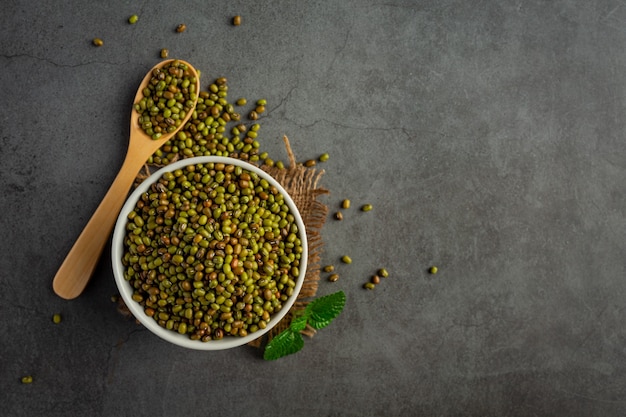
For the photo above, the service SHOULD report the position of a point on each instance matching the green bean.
(240, 253)
(208, 131)
(174, 81)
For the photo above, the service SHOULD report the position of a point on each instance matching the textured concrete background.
(489, 136)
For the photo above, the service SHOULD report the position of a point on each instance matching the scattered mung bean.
(433, 269)
(324, 157)
(383, 273)
(367, 207)
(133, 19)
(339, 216)
(206, 133)
(333, 277)
(345, 204)
(309, 163)
(165, 53)
(181, 28)
(329, 268)
(346, 259)
(98, 42)
(56, 318)
(375, 279)
(237, 20)
(241, 102)
(369, 286)
(28, 379)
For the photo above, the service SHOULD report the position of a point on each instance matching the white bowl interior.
(126, 290)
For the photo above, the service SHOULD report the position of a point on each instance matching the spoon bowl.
(79, 264)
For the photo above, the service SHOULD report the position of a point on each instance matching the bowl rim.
(125, 289)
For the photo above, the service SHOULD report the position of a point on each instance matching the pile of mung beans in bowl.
(209, 252)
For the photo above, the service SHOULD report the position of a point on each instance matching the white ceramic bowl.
(126, 289)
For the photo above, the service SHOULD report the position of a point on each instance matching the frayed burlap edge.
(301, 183)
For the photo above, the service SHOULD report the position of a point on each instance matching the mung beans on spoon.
(79, 264)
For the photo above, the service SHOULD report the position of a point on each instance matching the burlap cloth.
(301, 183)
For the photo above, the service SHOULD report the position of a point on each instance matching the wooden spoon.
(73, 275)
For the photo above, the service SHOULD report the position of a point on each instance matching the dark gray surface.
(489, 136)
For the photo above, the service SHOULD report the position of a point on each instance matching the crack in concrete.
(55, 63)
(112, 357)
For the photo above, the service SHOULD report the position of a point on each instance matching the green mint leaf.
(283, 344)
(323, 310)
(298, 323)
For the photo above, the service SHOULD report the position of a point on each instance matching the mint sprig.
(318, 314)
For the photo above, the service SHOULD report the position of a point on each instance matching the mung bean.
(367, 207)
(324, 157)
(236, 20)
(383, 273)
(433, 269)
(181, 28)
(333, 277)
(98, 42)
(346, 259)
(167, 99)
(133, 19)
(339, 216)
(345, 204)
(229, 275)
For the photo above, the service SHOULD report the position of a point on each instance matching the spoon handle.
(79, 264)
